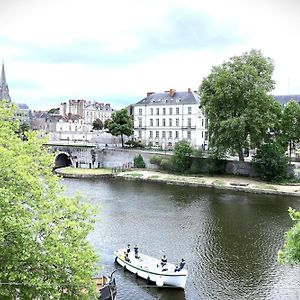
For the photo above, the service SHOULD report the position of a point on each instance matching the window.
(163, 134)
(140, 122)
(157, 110)
(163, 122)
(164, 111)
(171, 110)
(189, 135)
(170, 122)
(140, 111)
(170, 134)
(151, 111)
(177, 110)
(206, 136)
(177, 122)
(202, 134)
(157, 134)
(157, 122)
(140, 134)
(189, 122)
(176, 134)
(202, 122)
(151, 134)
(189, 110)
(151, 122)
(170, 144)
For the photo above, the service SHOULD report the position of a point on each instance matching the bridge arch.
(63, 159)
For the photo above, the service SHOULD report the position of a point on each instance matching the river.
(229, 240)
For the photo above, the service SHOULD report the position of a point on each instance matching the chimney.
(172, 92)
(150, 93)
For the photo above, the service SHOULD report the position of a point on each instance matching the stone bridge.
(93, 156)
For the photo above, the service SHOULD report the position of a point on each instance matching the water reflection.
(229, 240)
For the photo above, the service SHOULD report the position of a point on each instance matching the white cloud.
(99, 50)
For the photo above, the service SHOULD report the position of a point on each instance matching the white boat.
(150, 269)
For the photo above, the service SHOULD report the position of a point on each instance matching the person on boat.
(163, 261)
(181, 264)
(136, 252)
(126, 256)
(176, 269)
(128, 248)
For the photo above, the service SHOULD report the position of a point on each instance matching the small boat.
(106, 286)
(150, 269)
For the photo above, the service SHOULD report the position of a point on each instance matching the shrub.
(270, 162)
(181, 157)
(155, 160)
(166, 165)
(138, 161)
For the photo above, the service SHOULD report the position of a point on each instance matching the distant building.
(88, 110)
(4, 90)
(284, 99)
(163, 119)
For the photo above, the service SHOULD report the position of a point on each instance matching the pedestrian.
(136, 252)
(163, 261)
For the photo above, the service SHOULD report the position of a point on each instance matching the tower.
(4, 90)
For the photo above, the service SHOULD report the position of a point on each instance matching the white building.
(163, 119)
(88, 110)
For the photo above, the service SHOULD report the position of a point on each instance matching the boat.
(150, 269)
(106, 287)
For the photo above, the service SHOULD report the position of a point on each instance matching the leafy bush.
(166, 165)
(138, 161)
(155, 160)
(270, 162)
(198, 153)
(181, 157)
(134, 144)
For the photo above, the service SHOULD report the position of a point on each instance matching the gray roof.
(23, 106)
(166, 99)
(284, 99)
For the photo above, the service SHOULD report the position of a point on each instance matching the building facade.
(163, 119)
(88, 110)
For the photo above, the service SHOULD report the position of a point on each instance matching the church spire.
(4, 90)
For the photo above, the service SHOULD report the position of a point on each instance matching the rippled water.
(229, 240)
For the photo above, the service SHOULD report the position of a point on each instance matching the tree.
(271, 162)
(138, 161)
(53, 111)
(235, 100)
(291, 124)
(43, 234)
(120, 124)
(97, 124)
(106, 122)
(181, 157)
(290, 252)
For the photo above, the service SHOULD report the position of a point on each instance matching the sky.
(116, 51)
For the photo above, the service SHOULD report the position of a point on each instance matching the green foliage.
(290, 253)
(291, 123)
(120, 124)
(155, 160)
(97, 124)
(53, 111)
(23, 131)
(166, 165)
(106, 122)
(134, 144)
(138, 161)
(198, 153)
(181, 157)
(270, 162)
(43, 234)
(236, 101)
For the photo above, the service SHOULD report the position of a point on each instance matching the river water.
(229, 240)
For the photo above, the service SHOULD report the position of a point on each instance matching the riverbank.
(234, 183)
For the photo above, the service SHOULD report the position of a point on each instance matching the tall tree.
(236, 101)
(181, 156)
(120, 124)
(291, 124)
(43, 234)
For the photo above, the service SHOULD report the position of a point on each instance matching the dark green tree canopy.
(236, 101)
(97, 124)
(290, 124)
(120, 124)
(181, 156)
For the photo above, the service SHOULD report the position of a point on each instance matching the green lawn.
(71, 170)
